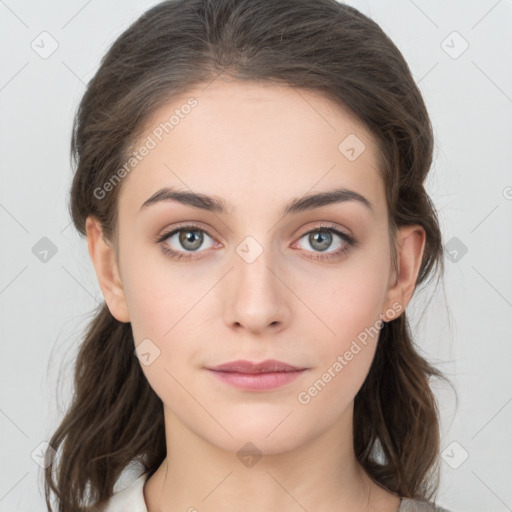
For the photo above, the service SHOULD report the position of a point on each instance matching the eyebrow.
(216, 204)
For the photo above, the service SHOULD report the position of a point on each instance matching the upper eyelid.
(166, 233)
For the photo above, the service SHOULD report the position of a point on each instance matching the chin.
(257, 445)
(268, 433)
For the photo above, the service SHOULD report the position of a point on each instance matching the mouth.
(249, 376)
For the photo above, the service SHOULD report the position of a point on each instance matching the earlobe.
(411, 244)
(104, 260)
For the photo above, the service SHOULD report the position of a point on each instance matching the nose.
(257, 296)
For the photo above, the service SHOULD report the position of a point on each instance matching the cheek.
(344, 356)
(349, 304)
(160, 315)
(349, 310)
(357, 303)
(165, 310)
(156, 292)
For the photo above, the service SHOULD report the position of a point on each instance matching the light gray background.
(44, 306)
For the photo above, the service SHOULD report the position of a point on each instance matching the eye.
(321, 238)
(186, 238)
(189, 238)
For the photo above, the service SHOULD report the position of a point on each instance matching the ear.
(103, 257)
(411, 244)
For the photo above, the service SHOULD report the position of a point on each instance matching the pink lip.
(242, 366)
(262, 376)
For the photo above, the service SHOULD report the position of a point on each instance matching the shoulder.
(410, 505)
(129, 499)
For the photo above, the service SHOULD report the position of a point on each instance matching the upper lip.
(267, 366)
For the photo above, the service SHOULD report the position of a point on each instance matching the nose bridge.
(257, 296)
(253, 263)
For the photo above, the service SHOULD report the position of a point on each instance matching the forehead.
(252, 142)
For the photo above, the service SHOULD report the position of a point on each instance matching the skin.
(257, 147)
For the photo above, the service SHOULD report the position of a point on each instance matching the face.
(307, 287)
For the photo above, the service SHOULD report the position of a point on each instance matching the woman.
(250, 179)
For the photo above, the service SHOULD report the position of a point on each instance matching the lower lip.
(257, 381)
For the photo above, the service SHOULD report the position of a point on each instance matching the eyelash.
(350, 242)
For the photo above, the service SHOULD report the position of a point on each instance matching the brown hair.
(318, 45)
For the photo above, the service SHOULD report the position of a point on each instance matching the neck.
(322, 474)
